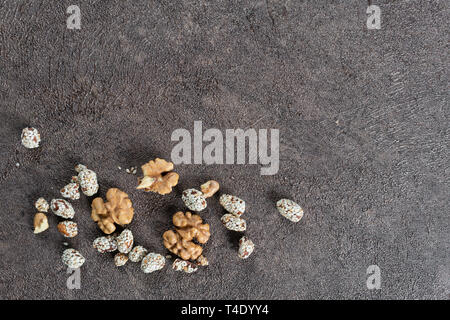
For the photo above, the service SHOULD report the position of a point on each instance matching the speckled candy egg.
(152, 262)
(30, 138)
(194, 199)
(72, 258)
(246, 247)
(87, 180)
(62, 208)
(120, 259)
(186, 266)
(42, 205)
(71, 191)
(290, 210)
(137, 254)
(233, 223)
(105, 244)
(232, 204)
(68, 229)
(80, 167)
(125, 241)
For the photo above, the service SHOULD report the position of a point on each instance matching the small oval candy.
(246, 247)
(152, 262)
(233, 223)
(72, 258)
(120, 259)
(290, 210)
(194, 199)
(125, 241)
(68, 229)
(232, 204)
(30, 138)
(137, 254)
(105, 244)
(62, 208)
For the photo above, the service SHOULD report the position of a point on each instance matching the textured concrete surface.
(364, 135)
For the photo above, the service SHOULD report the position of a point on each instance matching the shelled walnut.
(189, 227)
(209, 188)
(158, 177)
(100, 215)
(118, 209)
(40, 222)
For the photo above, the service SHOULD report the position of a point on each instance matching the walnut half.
(189, 228)
(158, 177)
(118, 209)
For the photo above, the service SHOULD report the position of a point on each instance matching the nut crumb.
(202, 261)
(40, 222)
(209, 188)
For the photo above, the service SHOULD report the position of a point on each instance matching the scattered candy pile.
(184, 240)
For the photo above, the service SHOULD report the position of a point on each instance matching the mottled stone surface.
(364, 130)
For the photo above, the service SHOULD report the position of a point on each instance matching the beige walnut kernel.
(118, 209)
(40, 222)
(101, 215)
(189, 228)
(158, 177)
(120, 206)
(209, 188)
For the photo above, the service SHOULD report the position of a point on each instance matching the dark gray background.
(364, 136)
